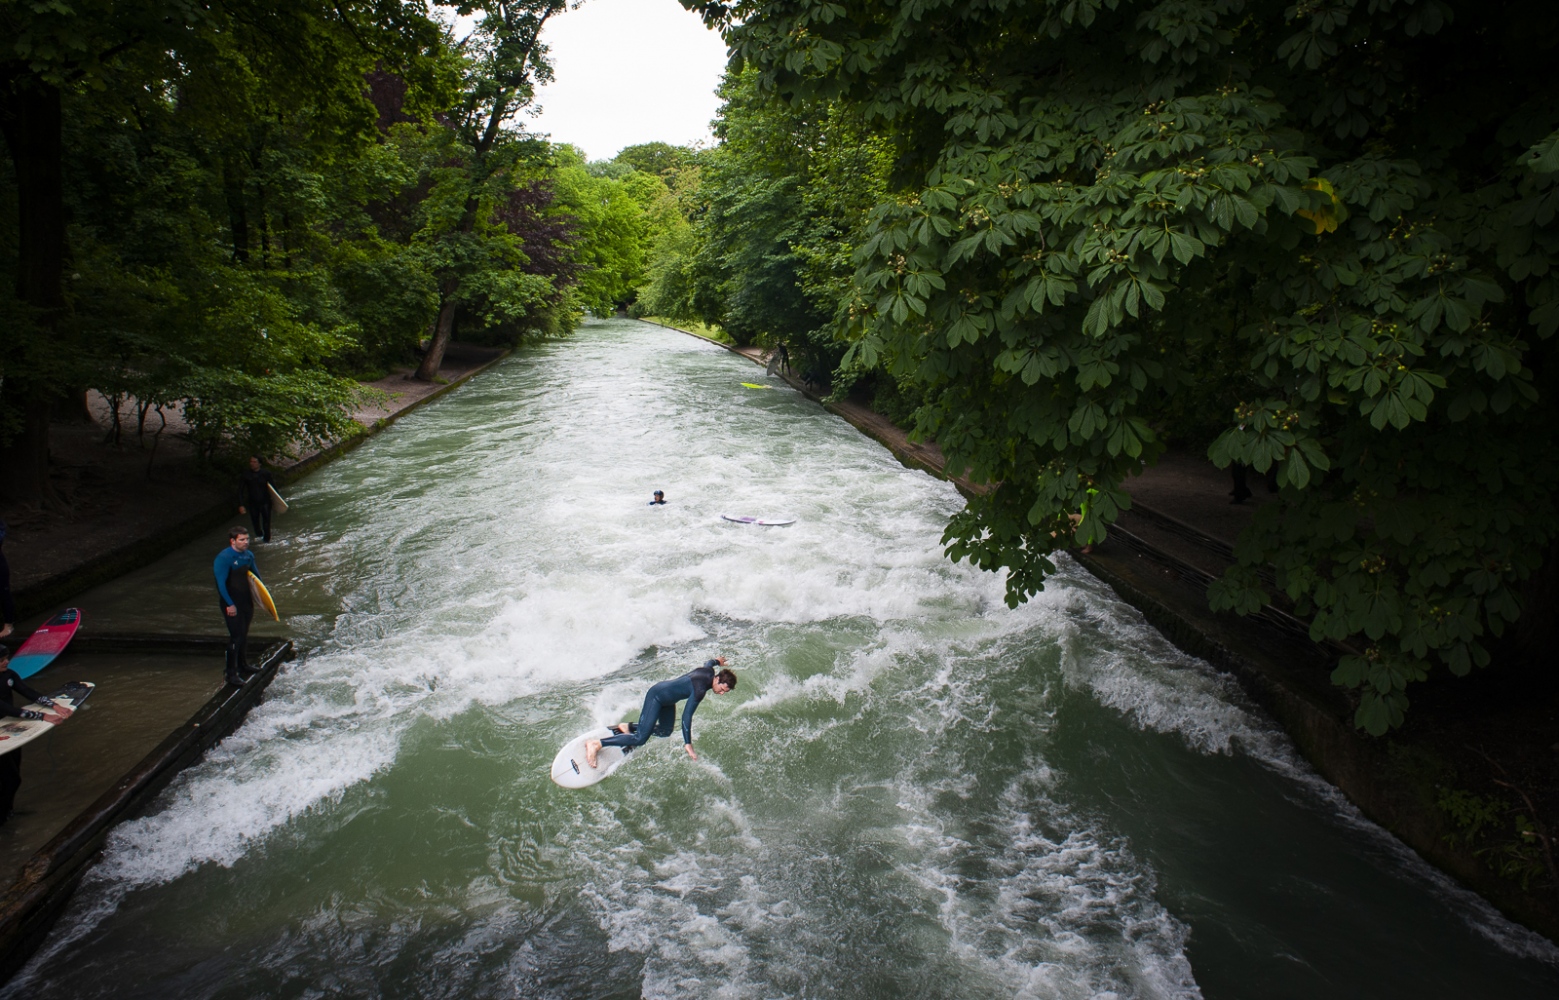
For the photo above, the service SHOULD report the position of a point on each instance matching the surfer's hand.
(232, 611)
(690, 752)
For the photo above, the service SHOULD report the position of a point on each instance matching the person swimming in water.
(660, 709)
(657, 499)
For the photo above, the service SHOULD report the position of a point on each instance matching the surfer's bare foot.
(592, 747)
(622, 727)
(5, 631)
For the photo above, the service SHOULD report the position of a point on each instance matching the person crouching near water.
(660, 709)
(11, 763)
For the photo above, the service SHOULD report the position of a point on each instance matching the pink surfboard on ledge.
(48, 642)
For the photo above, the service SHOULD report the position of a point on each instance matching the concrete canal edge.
(1282, 671)
(47, 593)
(31, 905)
(35, 900)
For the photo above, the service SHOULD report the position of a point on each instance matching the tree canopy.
(1334, 221)
(238, 208)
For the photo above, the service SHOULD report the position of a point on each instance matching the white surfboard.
(570, 769)
(277, 503)
(744, 519)
(15, 733)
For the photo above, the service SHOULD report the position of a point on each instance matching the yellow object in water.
(754, 385)
(262, 596)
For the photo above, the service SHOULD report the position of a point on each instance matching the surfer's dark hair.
(235, 532)
(728, 678)
(5, 652)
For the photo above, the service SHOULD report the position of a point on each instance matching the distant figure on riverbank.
(779, 361)
(231, 568)
(7, 606)
(658, 499)
(660, 709)
(254, 497)
(11, 763)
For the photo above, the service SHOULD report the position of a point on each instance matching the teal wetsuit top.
(229, 561)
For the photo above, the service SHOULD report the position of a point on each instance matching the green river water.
(914, 791)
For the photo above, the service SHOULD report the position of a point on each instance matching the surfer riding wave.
(660, 709)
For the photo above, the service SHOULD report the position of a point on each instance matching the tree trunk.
(30, 119)
(25, 459)
(441, 332)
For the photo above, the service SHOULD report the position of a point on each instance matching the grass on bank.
(692, 326)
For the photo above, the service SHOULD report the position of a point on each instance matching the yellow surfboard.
(262, 597)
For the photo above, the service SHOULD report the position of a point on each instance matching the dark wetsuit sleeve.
(220, 567)
(10, 680)
(700, 680)
(687, 716)
(22, 688)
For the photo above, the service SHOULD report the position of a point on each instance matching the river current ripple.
(913, 790)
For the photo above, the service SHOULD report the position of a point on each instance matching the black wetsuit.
(254, 497)
(660, 708)
(11, 763)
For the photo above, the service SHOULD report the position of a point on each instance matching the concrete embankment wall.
(32, 903)
(35, 900)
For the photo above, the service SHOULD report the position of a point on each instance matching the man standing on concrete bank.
(254, 497)
(232, 567)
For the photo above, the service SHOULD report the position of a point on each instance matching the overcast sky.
(630, 71)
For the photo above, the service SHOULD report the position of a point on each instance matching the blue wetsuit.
(660, 708)
(226, 564)
(231, 569)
